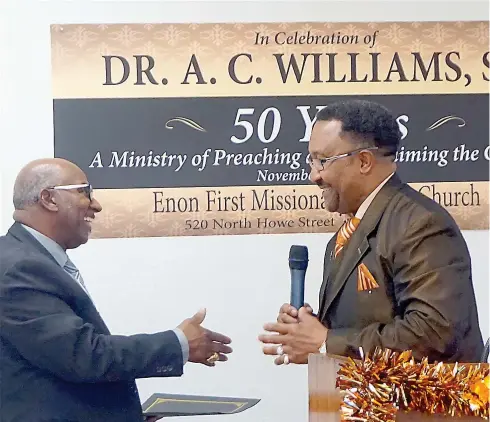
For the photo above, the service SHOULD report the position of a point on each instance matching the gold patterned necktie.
(345, 233)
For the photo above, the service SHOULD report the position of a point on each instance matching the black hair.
(373, 123)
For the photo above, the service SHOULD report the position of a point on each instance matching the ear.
(47, 200)
(366, 159)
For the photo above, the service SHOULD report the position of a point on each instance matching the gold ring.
(213, 358)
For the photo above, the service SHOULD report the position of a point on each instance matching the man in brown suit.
(398, 273)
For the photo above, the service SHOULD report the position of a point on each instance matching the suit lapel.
(351, 254)
(358, 244)
(329, 263)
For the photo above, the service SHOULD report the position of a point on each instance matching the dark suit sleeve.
(47, 333)
(432, 286)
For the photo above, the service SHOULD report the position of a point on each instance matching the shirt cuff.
(184, 344)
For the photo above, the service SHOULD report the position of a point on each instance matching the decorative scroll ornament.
(185, 121)
(446, 119)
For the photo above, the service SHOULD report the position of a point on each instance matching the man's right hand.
(289, 314)
(203, 342)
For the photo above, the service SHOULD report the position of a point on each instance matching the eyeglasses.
(85, 188)
(317, 163)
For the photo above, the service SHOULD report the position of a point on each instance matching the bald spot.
(40, 174)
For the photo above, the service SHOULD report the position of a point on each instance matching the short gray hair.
(28, 187)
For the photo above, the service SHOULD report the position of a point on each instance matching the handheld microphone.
(298, 263)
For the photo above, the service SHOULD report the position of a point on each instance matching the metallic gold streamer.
(376, 388)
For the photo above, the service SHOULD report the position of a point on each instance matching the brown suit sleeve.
(432, 286)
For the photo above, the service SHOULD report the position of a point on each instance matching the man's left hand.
(297, 340)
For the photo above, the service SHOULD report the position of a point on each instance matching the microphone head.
(298, 257)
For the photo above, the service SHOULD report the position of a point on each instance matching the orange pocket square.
(365, 280)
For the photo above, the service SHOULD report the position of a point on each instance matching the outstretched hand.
(294, 340)
(205, 346)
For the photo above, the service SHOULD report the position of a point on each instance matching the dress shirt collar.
(50, 245)
(365, 205)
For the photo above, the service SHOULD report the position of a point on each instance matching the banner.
(203, 129)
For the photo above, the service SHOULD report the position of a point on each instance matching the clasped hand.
(296, 334)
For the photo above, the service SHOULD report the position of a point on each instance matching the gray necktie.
(71, 269)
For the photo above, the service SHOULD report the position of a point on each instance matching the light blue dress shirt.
(60, 256)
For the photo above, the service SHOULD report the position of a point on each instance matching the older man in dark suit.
(58, 360)
(398, 272)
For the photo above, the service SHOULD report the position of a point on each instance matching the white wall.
(144, 285)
